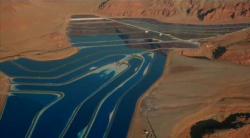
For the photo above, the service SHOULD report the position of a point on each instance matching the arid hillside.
(181, 11)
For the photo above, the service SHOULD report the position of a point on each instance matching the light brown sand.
(192, 90)
(35, 29)
(4, 89)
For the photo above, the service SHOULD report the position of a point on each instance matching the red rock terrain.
(181, 11)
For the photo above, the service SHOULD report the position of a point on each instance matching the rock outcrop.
(181, 11)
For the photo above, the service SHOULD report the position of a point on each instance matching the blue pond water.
(91, 94)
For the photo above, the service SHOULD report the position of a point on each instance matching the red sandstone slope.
(181, 11)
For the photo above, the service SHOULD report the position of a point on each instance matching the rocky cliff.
(181, 11)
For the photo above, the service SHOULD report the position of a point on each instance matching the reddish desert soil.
(192, 90)
(234, 47)
(35, 29)
(4, 89)
(181, 11)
